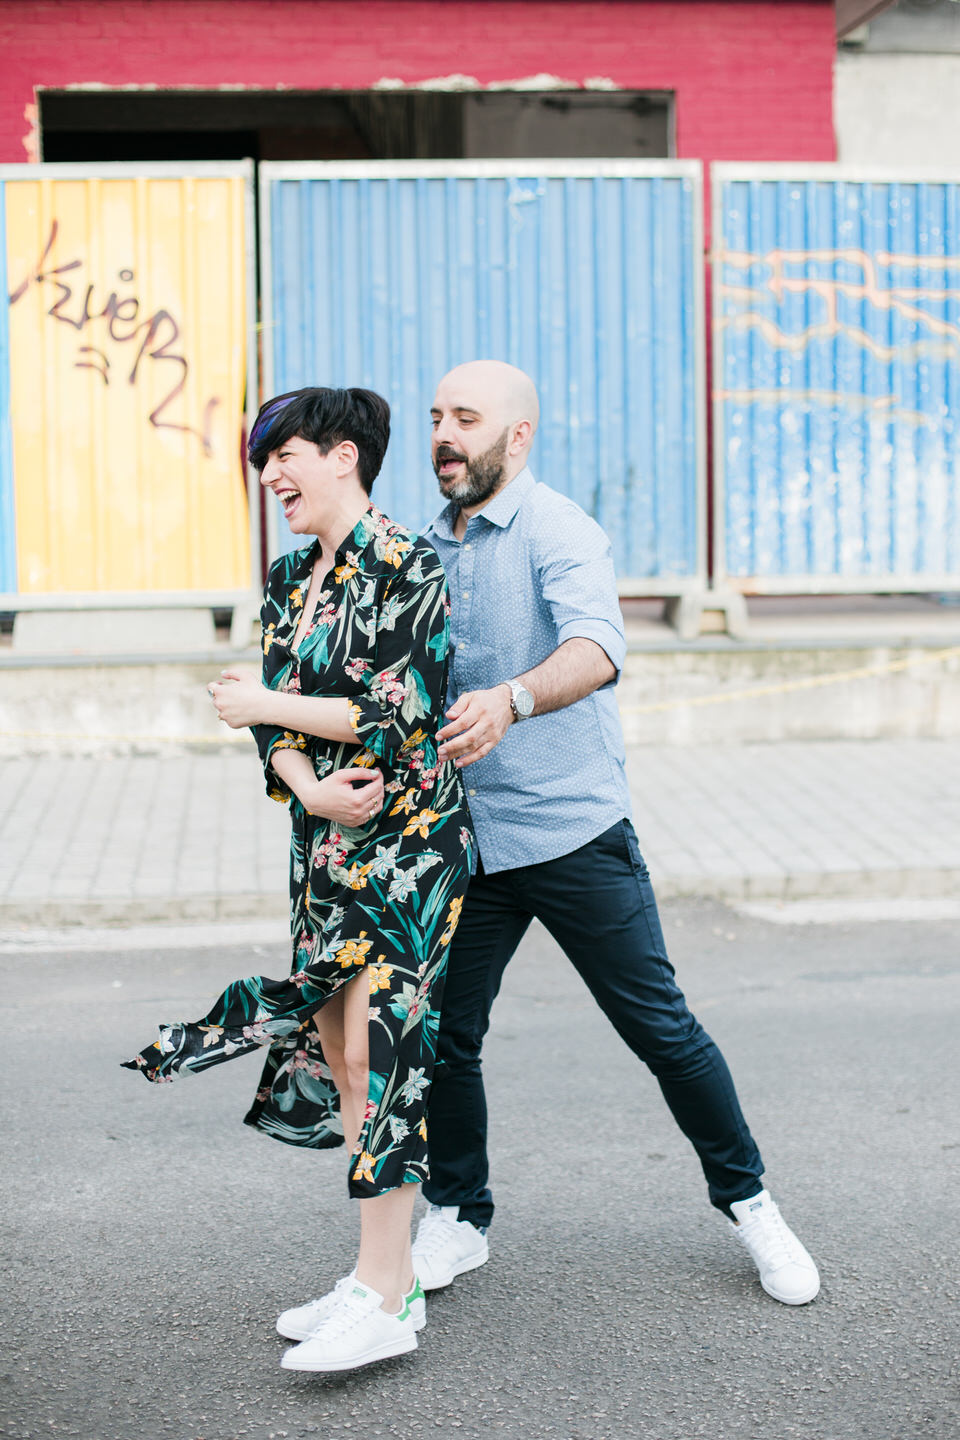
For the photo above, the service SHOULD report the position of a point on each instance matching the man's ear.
(520, 437)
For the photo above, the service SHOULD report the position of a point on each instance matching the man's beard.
(484, 473)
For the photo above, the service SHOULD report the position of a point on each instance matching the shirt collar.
(500, 510)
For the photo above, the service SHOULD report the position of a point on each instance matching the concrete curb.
(880, 884)
(862, 885)
(150, 910)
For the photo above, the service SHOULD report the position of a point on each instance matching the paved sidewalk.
(192, 836)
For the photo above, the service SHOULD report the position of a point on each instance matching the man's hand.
(337, 797)
(478, 721)
(239, 697)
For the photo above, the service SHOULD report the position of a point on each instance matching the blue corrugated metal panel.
(837, 335)
(8, 539)
(586, 280)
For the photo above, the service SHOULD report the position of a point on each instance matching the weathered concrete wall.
(898, 111)
(719, 696)
(110, 706)
(694, 696)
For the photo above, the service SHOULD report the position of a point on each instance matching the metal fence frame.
(167, 599)
(692, 170)
(720, 173)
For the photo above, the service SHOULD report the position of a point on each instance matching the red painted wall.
(753, 81)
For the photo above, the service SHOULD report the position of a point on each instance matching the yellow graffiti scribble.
(829, 291)
(882, 407)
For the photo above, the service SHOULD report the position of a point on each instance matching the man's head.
(485, 416)
(325, 418)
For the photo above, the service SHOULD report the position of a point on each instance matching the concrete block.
(104, 632)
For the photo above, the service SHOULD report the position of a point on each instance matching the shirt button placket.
(464, 604)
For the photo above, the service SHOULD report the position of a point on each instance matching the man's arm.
(480, 718)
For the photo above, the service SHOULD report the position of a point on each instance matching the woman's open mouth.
(289, 499)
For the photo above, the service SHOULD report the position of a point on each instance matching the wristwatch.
(521, 701)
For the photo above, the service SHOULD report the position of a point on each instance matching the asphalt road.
(152, 1239)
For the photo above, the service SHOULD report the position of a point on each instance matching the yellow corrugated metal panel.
(127, 344)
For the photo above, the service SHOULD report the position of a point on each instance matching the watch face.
(523, 701)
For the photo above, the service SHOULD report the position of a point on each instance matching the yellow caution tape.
(719, 697)
(807, 682)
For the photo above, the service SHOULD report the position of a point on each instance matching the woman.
(355, 635)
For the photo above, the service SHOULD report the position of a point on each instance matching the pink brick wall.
(753, 81)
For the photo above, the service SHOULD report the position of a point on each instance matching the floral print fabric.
(384, 896)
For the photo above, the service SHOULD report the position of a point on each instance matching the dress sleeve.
(404, 691)
(276, 666)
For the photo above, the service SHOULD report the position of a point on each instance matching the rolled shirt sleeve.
(579, 587)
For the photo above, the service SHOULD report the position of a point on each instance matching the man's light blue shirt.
(532, 571)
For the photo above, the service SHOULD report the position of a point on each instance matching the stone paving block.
(191, 835)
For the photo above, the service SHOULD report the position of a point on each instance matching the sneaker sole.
(379, 1352)
(473, 1263)
(420, 1319)
(803, 1299)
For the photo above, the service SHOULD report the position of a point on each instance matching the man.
(538, 643)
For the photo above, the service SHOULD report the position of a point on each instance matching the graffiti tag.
(868, 279)
(155, 337)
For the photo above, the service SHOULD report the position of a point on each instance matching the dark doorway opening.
(354, 125)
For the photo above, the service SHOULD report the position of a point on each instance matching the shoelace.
(322, 1299)
(433, 1234)
(350, 1310)
(771, 1237)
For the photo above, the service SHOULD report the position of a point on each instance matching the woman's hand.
(340, 796)
(240, 698)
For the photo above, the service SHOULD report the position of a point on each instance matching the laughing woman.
(355, 630)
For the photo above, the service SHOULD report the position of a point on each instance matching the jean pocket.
(631, 848)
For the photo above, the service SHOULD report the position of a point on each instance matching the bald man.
(537, 644)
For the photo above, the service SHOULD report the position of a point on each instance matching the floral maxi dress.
(385, 895)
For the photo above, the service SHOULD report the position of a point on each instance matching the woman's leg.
(384, 1261)
(345, 1013)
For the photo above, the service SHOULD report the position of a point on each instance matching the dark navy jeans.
(598, 904)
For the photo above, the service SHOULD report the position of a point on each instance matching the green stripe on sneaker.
(415, 1294)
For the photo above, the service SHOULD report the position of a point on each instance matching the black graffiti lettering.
(152, 327)
(207, 437)
(66, 294)
(37, 273)
(162, 352)
(114, 311)
(101, 369)
(123, 325)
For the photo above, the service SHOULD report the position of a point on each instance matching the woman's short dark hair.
(325, 418)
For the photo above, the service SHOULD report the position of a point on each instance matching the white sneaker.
(302, 1321)
(446, 1247)
(787, 1272)
(356, 1331)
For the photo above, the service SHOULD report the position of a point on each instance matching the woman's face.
(308, 485)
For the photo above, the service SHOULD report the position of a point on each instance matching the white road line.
(144, 937)
(848, 912)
